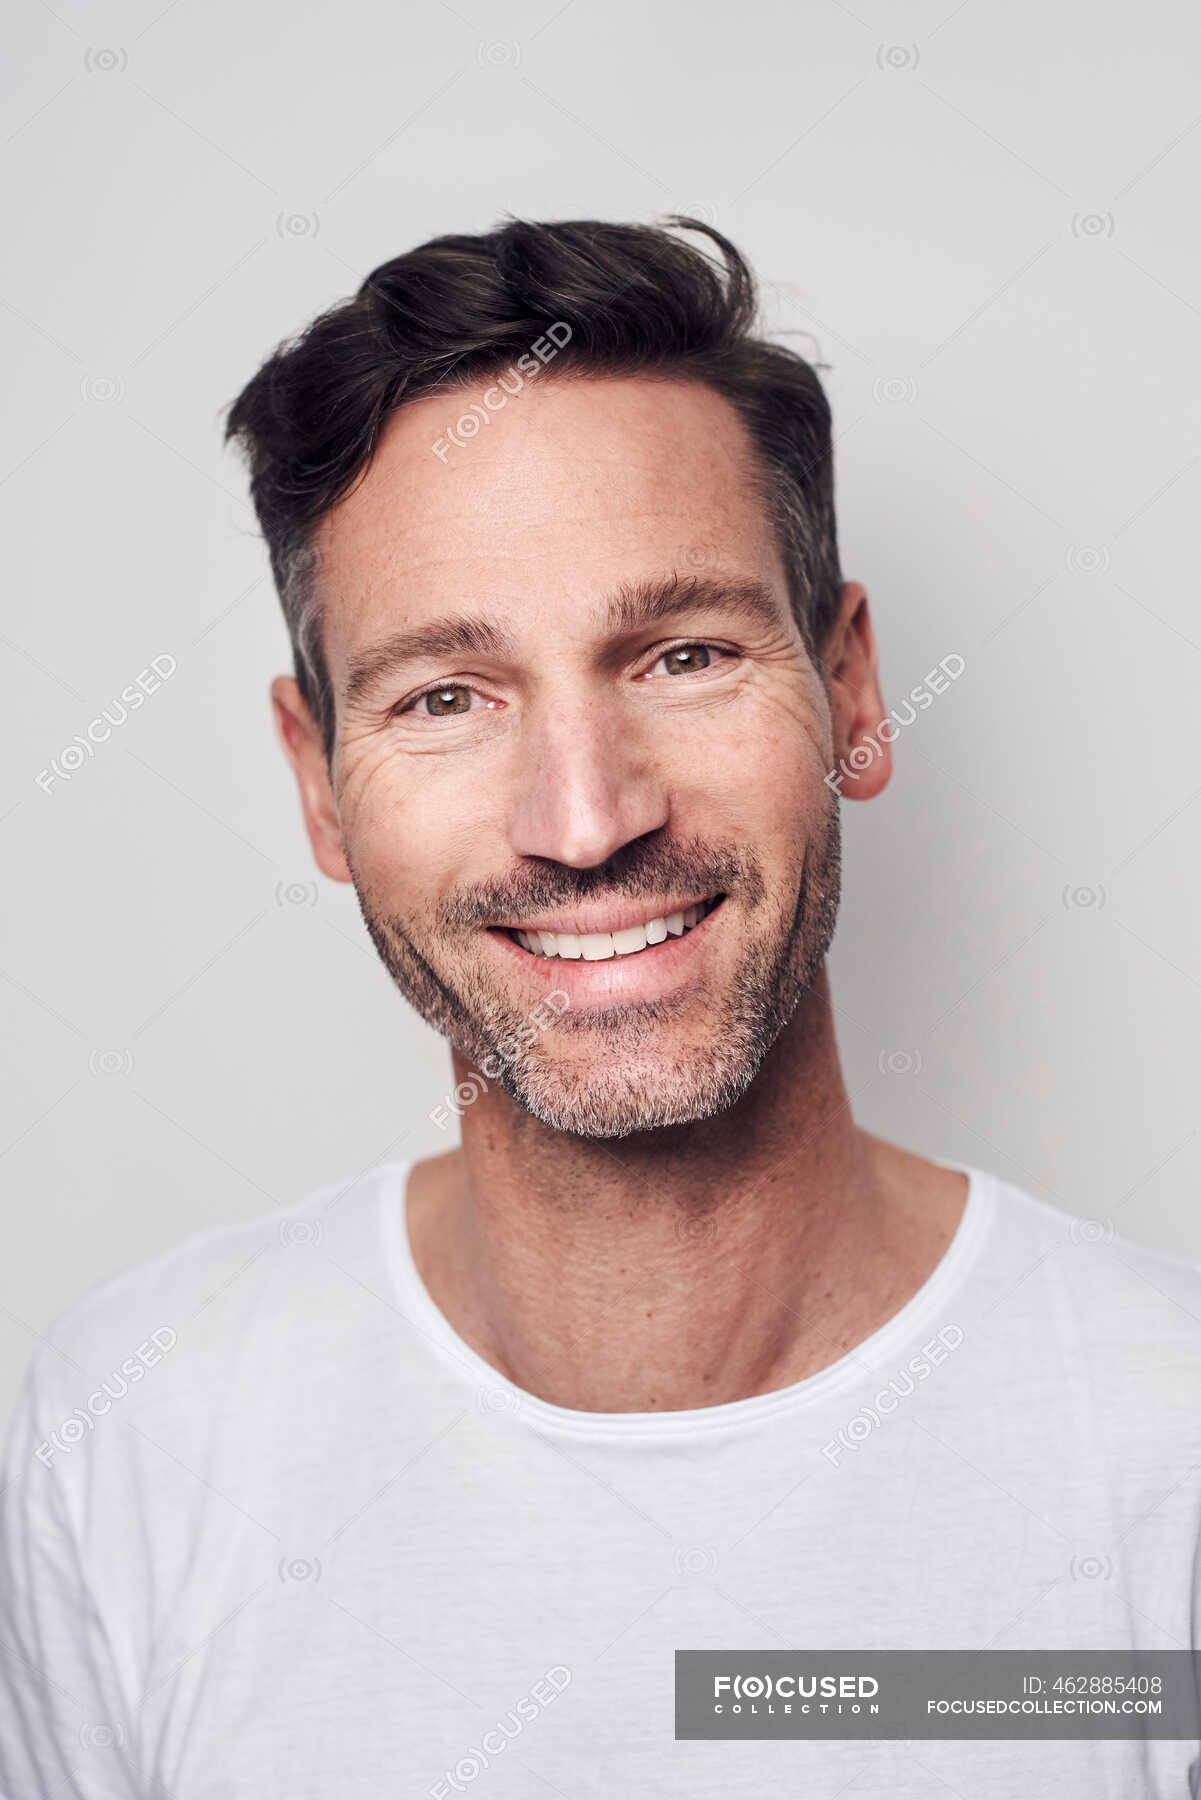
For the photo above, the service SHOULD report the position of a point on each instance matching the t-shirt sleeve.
(65, 1729)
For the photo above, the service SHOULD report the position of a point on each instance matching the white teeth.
(599, 946)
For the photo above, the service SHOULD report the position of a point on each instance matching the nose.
(585, 785)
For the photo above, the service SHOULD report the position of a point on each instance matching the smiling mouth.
(600, 946)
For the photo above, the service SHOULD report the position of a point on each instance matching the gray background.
(982, 217)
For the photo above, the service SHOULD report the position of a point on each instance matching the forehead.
(571, 489)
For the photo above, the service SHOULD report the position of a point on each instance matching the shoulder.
(260, 1278)
(1129, 1315)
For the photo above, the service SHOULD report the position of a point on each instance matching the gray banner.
(938, 1694)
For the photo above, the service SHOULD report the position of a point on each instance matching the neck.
(685, 1267)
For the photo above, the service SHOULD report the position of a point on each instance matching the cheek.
(781, 809)
(407, 838)
(762, 760)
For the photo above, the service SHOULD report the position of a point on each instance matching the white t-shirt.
(273, 1530)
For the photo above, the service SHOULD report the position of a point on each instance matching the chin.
(634, 1097)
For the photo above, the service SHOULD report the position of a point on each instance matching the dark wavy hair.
(638, 300)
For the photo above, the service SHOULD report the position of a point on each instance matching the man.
(425, 1483)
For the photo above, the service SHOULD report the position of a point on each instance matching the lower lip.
(644, 975)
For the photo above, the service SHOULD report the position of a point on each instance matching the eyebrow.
(638, 604)
(632, 607)
(445, 641)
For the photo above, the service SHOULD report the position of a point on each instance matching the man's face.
(575, 713)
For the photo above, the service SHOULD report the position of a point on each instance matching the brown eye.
(686, 660)
(441, 702)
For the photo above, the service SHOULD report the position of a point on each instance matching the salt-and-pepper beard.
(621, 1094)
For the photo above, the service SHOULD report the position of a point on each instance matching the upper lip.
(606, 916)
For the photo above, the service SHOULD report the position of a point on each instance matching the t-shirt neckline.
(862, 1362)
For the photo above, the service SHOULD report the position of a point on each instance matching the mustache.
(645, 868)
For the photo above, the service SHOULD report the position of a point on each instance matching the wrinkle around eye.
(378, 771)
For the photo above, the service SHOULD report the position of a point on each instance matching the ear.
(301, 738)
(862, 757)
